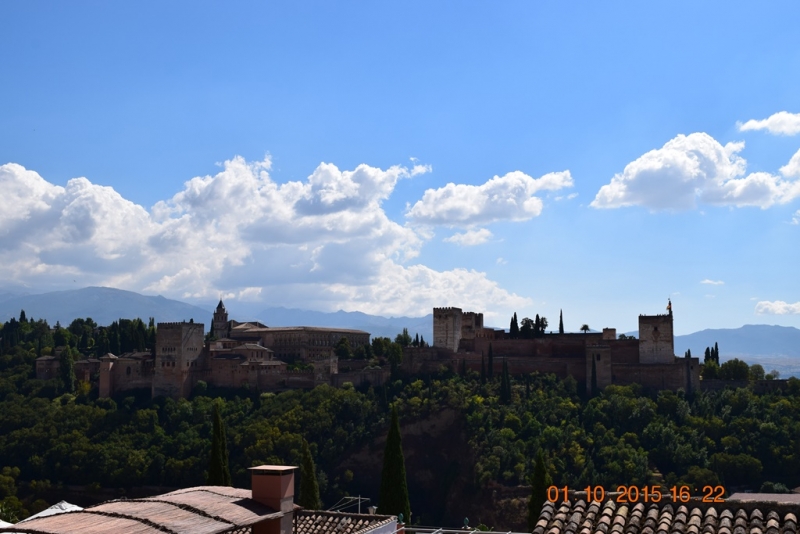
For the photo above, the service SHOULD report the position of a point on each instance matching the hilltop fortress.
(255, 356)
(248, 354)
(460, 336)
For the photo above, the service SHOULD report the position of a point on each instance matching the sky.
(390, 157)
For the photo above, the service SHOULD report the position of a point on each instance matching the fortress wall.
(659, 376)
(624, 351)
(131, 374)
(598, 357)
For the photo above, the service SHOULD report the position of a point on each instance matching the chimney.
(273, 486)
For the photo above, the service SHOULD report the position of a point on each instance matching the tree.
(490, 374)
(542, 325)
(734, 369)
(218, 471)
(393, 496)
(756, 372)
(710, 370)
(716, 352)
(309, 487)
(585, 328)
(404, 339)
(540, 482)
(513, 330)
(505, 385)
(342, 349)
(67, 367)
(560, 321)
(527, 328)
(483, 370)
(463, 370)
(594, 378)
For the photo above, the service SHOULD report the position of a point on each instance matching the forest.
(54, 439)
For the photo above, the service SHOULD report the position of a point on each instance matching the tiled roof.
(694, 517)
(319, 522)
(199, 510)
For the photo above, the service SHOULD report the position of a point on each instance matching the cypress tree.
(513, 329)
(393, 496)
(309, 487)
(218, 471)
(491, 363)
(708, 356)
(716, 353)
(67, 370)
(505, 385)
(540, 482)
(561, 321)
(483, 370)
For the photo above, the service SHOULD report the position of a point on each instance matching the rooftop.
(765, 514)
(319, 522)
(199, 510)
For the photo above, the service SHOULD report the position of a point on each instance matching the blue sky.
(602, 157)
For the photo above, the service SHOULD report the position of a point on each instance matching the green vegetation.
(51, 437)
(219, 473)
(309, 487)
(540, 481)
(393, 498)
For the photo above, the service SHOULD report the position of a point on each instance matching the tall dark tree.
(490, 373)
(594, 377)
(483, 370)
(505, 385)
(707, 357)
(22, 317)
(67, 367)
(218, 471)
(309, 487)
(513, 330)
(393, 496)
(716, 353)
(561, 321)
(540, 481)
(463, 370)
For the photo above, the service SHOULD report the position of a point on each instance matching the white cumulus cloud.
(510, 197)
(792, 169)
(323, 243)
(777, 307)
(470, 237)
(690, 169)
(781, 123)
(713, 282)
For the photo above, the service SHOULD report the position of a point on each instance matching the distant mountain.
(103, 304)
(773, 347)
(374, 324)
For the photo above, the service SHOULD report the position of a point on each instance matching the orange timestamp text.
(634, 494)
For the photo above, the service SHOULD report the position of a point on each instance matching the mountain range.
(774, 347)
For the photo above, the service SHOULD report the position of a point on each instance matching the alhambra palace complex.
(253, 355)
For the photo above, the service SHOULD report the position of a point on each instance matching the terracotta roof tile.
(322, 522)
(739, 516)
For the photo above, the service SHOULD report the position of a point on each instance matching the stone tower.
(656, 341)
(179, 346)
(220, 324)
(447, 327)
